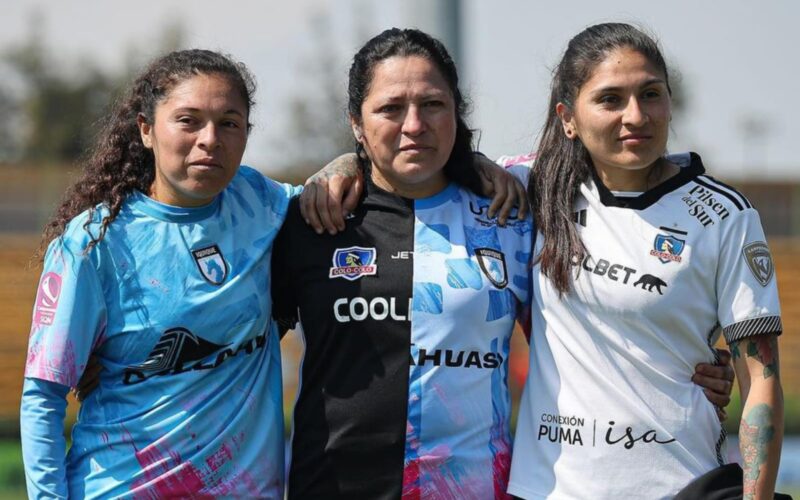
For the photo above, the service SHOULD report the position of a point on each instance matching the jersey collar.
(169, 213)
(376, 196)
(691, 166)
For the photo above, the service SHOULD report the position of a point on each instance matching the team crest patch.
(493, 265)
(667, 248)
(353, 262)
(759, 260)
(211, 264)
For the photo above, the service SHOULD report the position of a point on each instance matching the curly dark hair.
(118, 163)
(460, 166)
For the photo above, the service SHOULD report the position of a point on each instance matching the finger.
(720, 386)
(717, 399)
(308, 208)
(321, 205)
(724, 357)
(352, 196)
(500, 195)
(335, 195)
(722, 414)
(524, 204)
(487, 185)
(511, 200)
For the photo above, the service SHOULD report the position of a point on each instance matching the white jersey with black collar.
(609, 408)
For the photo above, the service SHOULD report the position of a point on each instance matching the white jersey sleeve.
(747, 291)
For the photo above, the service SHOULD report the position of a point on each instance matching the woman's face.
(198, 136)
(407, 126)
(621, 113)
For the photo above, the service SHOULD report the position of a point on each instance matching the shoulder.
(707, 197)
(249, 183)
(509, 160)
(82, 229)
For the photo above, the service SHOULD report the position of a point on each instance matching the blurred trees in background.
(53, 108)
(317, 127)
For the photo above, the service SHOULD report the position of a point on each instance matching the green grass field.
(12, 477)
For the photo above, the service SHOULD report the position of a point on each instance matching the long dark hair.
(563, 164)
(460, 166)
(118, 163)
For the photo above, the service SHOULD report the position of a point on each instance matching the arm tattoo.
(345, 165)
(735, 353)
(755, 433)
(764, 348)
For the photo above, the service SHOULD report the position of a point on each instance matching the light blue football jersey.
(175, 302)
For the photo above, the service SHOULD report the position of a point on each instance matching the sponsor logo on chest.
(481, 212)
(577, 431)
(180, 351)
(352, 263)
(623, 274)
(702, 204)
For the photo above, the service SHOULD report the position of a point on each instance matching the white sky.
(738, 59)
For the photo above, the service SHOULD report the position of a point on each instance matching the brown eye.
(609, 99)
(651, 94)
(389, 108)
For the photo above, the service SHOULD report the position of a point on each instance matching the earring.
(570, 133)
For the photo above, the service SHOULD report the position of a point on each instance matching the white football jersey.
(609, 409)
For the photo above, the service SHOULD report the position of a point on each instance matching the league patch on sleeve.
(47, 299)
(759, 260)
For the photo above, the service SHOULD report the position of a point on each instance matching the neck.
(414, 191)
(640, 180)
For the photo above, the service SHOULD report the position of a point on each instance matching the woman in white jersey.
(640, 260)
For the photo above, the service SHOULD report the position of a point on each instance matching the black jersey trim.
(731, 191)
(719, 190)
(651, 196)
(751, 327)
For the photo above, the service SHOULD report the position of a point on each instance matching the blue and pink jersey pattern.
(471, 283)
(175, 303)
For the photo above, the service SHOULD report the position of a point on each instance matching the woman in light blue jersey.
(158, 262)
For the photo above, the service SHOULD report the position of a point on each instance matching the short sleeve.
(747, 290)
(69, 316)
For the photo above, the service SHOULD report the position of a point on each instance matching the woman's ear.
(356, 127)
(567, 120)
(145, 130)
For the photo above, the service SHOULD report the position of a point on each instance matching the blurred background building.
(61, 64)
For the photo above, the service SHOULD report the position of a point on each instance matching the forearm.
(755, 360)
(42, 431)
(760, 437)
